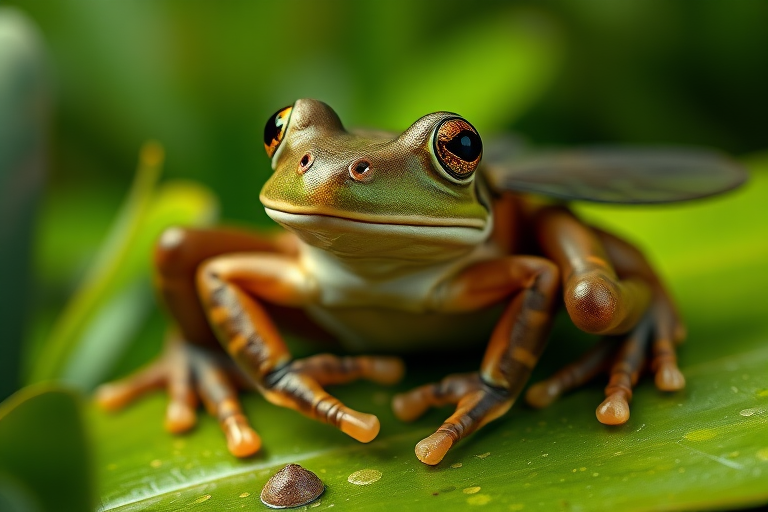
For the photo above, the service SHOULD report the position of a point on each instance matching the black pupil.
(362, 167)
(465, 145)
(272, 130)
(304, 160)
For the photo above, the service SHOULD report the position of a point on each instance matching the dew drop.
(204, 497)
(364, 477)
(700, 435)
(480, 499)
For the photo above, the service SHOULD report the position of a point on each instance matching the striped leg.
(233, 289)
(515, 346)
(607, 285)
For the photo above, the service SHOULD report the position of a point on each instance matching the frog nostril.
(305, 163)
(360, 170)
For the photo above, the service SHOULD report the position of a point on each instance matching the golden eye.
(275, 130)
(458, 148)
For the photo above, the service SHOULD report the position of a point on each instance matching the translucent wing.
(612, 174)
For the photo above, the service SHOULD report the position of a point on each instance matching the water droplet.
(582, 469)
(480, 499)
(364, 477)
(483, 455)
(456, 465)
(595, 474)
(471, 490)
(245, 495)
(751, 411)
(204, 497)
(700, 435)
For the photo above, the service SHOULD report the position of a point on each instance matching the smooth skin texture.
(384, 231)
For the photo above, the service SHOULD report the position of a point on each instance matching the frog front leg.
(233, 290)
(609, 288)
(530, 284)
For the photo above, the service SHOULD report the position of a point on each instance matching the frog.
(423, 239)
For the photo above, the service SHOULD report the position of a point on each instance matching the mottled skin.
(390, 240)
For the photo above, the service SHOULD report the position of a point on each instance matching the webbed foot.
(477, 403)
(299, 386)
(189, 373)
(624, 362)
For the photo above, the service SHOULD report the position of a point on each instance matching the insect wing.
(614, 174)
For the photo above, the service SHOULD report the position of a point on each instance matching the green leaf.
(115, 296)
(489, 71)
(703, 448)
(44, 454)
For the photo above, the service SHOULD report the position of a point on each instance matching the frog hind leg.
(191, 364)
(530, 285)
(608, 286)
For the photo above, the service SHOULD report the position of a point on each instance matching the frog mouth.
(286, 214)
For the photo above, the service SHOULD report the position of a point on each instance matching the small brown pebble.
(292, 486)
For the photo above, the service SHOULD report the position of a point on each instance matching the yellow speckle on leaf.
(471, 490)
(364, 477)
(700, 435)
(763, 454)
(595, 474)
(456, 465)
(516, 506)
(582, 469)
(156, 463)
(483, 455)
(204, 497)
(244, 495)
(480, 499)
(762, 393)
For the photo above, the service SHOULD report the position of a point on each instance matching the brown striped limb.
(530, 284)
(668, 329)
(607, 283)
(233, 289)
(187, 372)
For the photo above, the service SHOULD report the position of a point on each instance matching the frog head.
(365, 193)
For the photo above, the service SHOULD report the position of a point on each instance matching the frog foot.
(189, 373)
(624, 366)
(299, 385)
(477, 403)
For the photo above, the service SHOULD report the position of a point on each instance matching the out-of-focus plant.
(24, 113)
(115, 296)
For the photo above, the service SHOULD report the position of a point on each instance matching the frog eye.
(275, 130)
(458, 148)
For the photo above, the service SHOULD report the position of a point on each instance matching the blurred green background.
(203, 77)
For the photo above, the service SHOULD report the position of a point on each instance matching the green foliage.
(203, 77)
(704, 448)
(45, 457)
(111, 300)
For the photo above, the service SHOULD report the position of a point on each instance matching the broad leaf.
(703, 448)
(45, 460)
